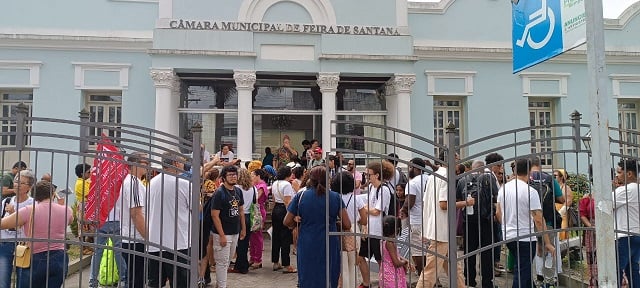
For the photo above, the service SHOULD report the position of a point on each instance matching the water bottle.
(548, 261)
(469, 208)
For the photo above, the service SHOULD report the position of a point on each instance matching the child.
(394, 268)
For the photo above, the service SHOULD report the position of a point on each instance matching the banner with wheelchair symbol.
(543, 29)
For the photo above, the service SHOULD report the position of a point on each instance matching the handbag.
(22, 255)
(256, 215)
(573, 217)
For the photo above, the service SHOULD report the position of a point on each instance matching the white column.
(328, 83)
(400, 110)
(244, 84)
(391, 119)
(166, 118)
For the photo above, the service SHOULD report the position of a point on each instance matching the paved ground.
(266, 278)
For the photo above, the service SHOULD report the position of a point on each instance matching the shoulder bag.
(256, 214)
(22, 255)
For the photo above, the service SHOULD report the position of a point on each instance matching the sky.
(611, 8)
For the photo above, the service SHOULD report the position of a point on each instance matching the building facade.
(252, 71)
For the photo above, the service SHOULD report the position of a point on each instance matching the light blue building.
(253, 70)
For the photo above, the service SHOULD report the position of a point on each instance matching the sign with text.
(543, 29)
(283, 27)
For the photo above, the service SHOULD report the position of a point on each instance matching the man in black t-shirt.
(228, 221)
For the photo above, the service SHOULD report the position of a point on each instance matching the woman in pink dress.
(256, 240)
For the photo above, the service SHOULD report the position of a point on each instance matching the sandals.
(276, 266)
(255, 266)
(289, 270)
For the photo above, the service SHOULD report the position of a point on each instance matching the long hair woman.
(44, 220)
(309, 209)
(249, 195)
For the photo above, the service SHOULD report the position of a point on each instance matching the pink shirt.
(47, 226)
(265, 195)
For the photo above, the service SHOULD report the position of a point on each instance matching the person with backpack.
(398, 175)
(436, 225)
(377, 207)
(550, 193)
(482, 185)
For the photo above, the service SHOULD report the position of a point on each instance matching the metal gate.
(51, 149)
(561, 149)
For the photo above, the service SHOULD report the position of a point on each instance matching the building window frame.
(628, 112)
(8, 110)
(110, 111)
(543, 113)
(529, 80)
(442, 115)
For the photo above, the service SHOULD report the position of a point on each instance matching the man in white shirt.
(169, 222)
(436, 226)
(519, 211)
(378, 205)
(627, 216)
(413, 209)
(134, 231)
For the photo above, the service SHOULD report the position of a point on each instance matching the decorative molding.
(321, 11)
(162, 77)
(389, 88)
(430, 7)
(137, 1)
(76, 40)
(402, 83)
(368, 57)
(433, 76)
(82, 67)
(561, 78)
(618, 79)
(627, 16)
(328, 81)
(245, 79)
(201, 52)
(499, 54)
(32, 66)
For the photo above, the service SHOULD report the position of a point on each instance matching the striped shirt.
(132, 195)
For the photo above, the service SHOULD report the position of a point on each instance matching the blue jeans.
(110, 229)
(523, 252)
(6, 263)
(40, 274)
(628, 257)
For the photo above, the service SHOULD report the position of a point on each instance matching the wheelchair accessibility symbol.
(538, 17)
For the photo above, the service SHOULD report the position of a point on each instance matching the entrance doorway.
(269, 129)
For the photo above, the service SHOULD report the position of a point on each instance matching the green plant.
(579, 184)
(74, 223)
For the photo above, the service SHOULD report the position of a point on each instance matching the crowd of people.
(150, 220)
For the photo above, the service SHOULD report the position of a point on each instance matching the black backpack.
(393, 201)
(403, 177)
(479, 187)
(543, 183)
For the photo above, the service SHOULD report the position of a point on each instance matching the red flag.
(106, 180)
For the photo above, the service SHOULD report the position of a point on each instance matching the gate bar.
(451, 204)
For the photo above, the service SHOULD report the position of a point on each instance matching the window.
(540, 112)
(105, 108)
(446, 110)
(628, 123)
(212, 103)
(10, 101)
